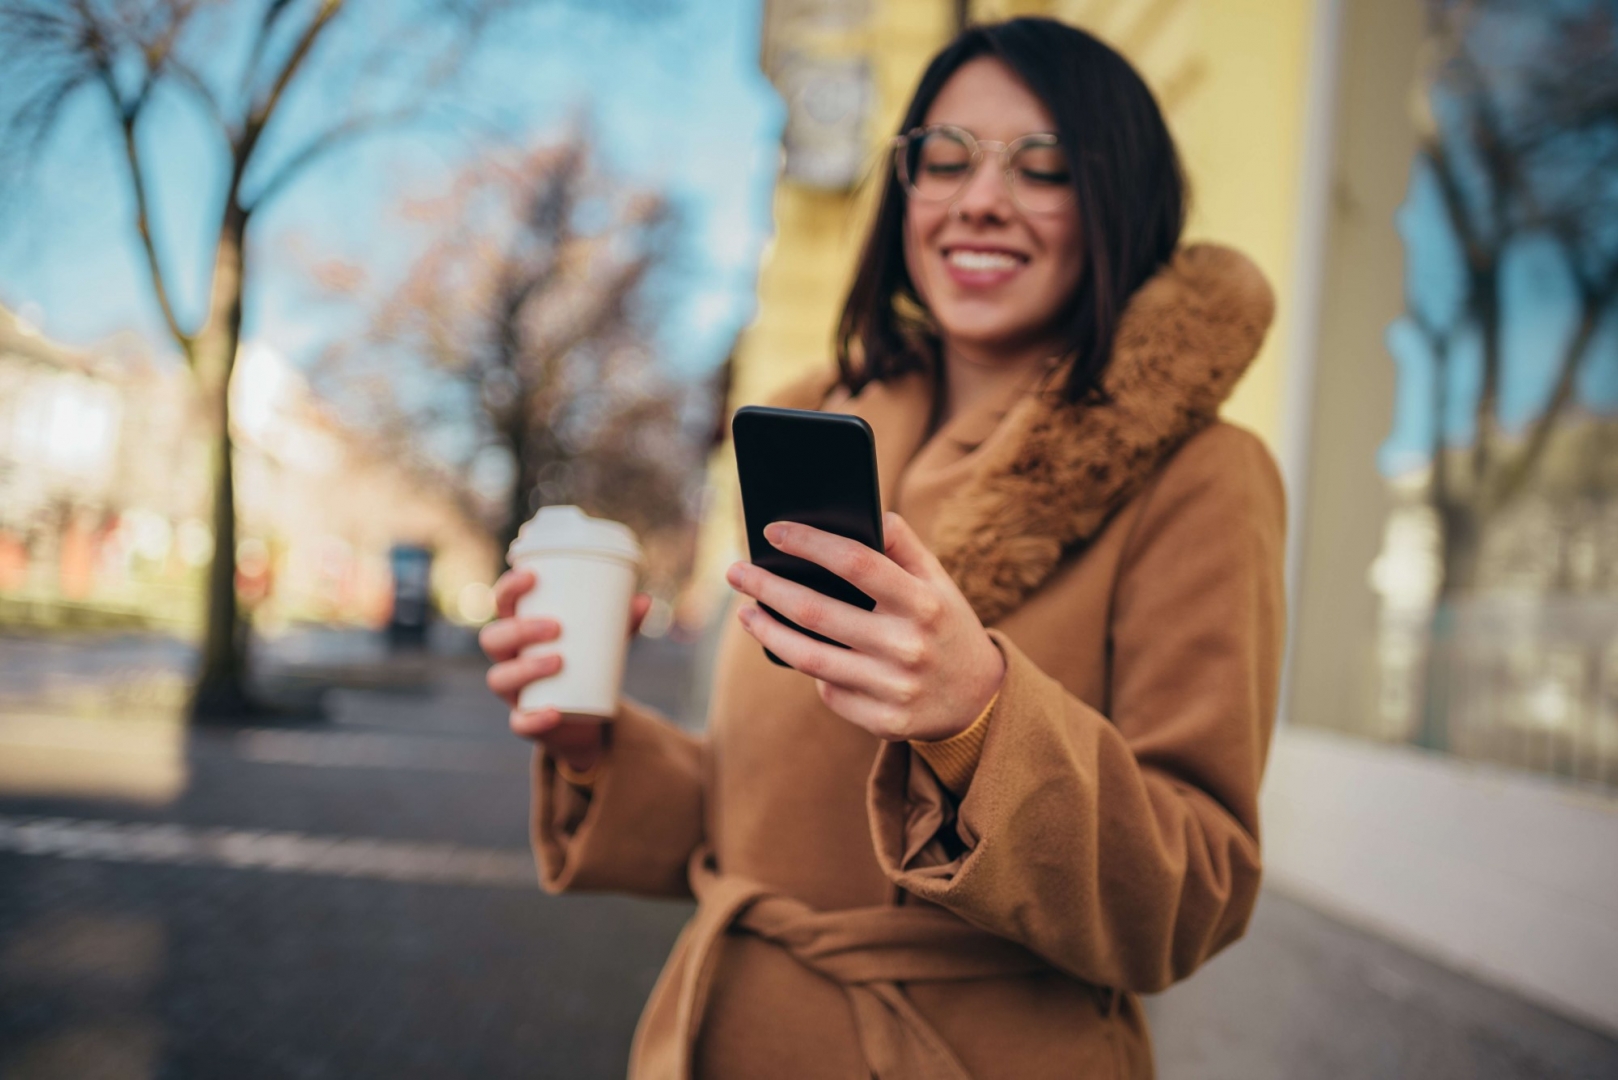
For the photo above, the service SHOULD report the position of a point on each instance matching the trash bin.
(412, 567)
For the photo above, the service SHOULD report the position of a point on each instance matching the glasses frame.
(977, 148)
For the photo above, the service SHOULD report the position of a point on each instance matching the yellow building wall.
(1231, 77)
(807, 268)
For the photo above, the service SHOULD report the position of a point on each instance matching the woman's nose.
(985, 194)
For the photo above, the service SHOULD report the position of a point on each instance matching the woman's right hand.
(503, 640)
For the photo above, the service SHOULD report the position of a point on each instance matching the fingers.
(532, 725)
(638, 608)
(862, 630)
(505, 638)
(511, 586)
(508, 678)
(905, 547)
(579, 743)
(814, 658)
(880, 718)
(871, 572)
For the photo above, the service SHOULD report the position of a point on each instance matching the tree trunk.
(1460, 549)
(221, 691)
(522, 484)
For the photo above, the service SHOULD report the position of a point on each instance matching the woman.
(1028, 791)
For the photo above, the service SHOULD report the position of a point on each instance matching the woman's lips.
(980, 268)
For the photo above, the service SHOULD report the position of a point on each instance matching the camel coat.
(855, 918)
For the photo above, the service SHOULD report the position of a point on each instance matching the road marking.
(277, 852)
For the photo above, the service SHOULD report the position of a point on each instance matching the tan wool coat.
(855, 917)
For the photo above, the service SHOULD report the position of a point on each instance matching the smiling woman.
(1026, 789)
(1002, 255)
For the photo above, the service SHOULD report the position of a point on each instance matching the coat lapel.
(897, 411)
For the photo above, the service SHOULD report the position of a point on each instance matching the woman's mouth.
(982, 267)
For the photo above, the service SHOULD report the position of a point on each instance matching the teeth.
(982, 260)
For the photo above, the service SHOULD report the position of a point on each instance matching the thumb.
(905, 547)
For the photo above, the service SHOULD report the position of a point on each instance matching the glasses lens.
(1040, 177)
(937, 164)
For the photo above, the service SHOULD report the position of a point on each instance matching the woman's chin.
(989, 340)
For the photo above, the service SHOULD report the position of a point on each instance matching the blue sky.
(1538, 291)
(674, 98)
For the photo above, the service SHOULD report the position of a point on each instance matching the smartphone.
(815, 468)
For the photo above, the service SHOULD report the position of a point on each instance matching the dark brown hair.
(1131, 199)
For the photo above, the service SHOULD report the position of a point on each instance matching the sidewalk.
(354, 898)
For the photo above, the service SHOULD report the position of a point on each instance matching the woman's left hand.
(920, 666)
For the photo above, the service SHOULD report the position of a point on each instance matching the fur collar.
(1053, 473)
(1186, 337)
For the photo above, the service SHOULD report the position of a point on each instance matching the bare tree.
(1521, 146)
(521, 325)
(1522, 142)
(131, 53)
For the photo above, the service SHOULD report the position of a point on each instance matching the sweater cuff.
(955, 759)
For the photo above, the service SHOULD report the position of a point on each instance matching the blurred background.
(306, 304)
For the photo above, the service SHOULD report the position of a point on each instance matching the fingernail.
(734, 574)
(746, 616)
(775, 532)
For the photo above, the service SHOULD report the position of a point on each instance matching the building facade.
(104, 489)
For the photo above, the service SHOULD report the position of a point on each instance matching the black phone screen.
(815, 468)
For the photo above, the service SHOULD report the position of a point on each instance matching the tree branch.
(1515, 477)
(323, 145)
(266, 28)
(204, 92)
(259, 114)
(128, 113)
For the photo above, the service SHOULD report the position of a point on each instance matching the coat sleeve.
(636, 828)
(1124, 849)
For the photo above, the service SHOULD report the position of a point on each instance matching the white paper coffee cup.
(586, 569)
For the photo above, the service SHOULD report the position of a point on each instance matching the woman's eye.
(1037, 176)
(943, 168)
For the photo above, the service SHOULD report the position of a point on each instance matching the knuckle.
(910, 650)
(810, 613)
(930, 612)
(894, 722)
(907, 691)
(858, 562)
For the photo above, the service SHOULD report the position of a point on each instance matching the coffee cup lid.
(567, 528)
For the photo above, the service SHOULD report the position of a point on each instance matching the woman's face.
(995, 276)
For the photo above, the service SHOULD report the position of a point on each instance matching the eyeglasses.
(936, 163)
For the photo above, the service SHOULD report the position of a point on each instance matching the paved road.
(354, 899)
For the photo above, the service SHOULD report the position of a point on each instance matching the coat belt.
(865, 951)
